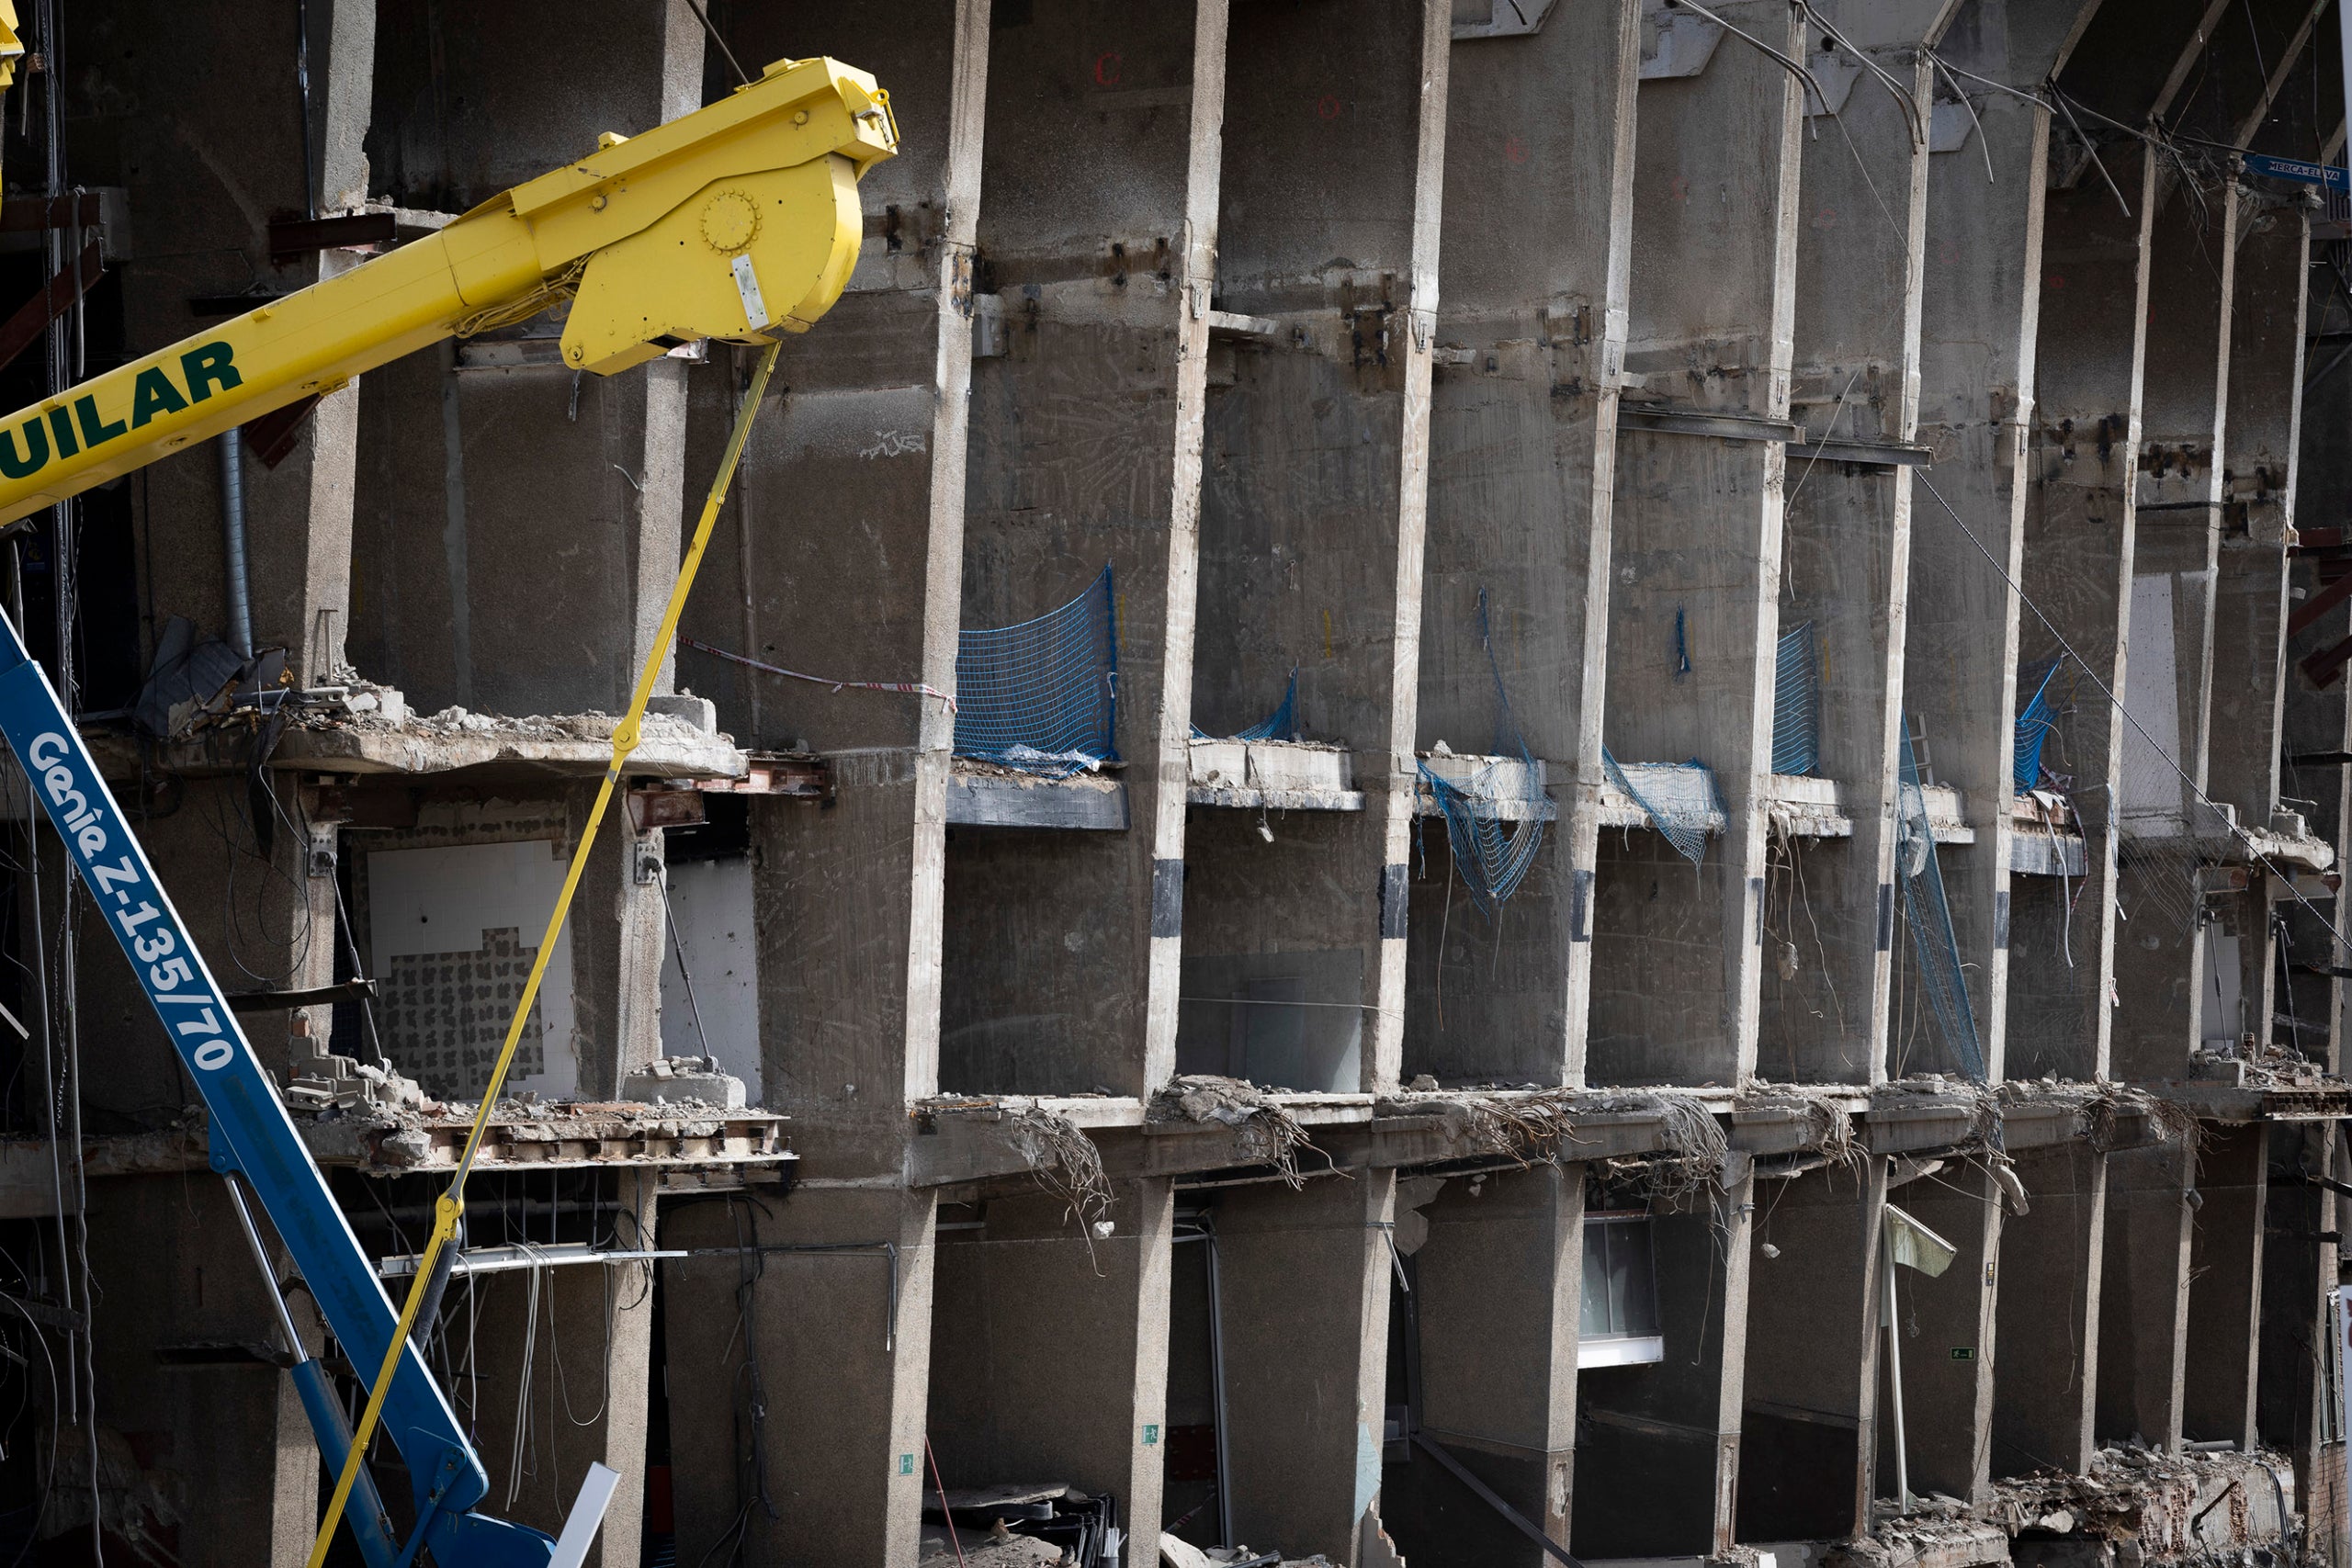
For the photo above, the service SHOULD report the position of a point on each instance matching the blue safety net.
(1280, 725)
(1796, 704)
(1678, 798)
(1494, 820)
(1041, 697)
(1930, 917)
(2036, 716)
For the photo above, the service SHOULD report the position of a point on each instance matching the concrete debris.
(695, 1078)
(1268, 1132)
(322, 1080)
(987, 1550)
(1831, 1124)
(2254, 1064)
(2141, 1506)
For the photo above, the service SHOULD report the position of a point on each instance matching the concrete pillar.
(2143, 1298)
(2046, 1377)
(1845, 567)
(2297, 1278)
(2078, 568)
(2227, 1244)
(848, 899)
(2252, 602)
(1049, 1350)
(1305, 1278)
(1948, 1325)
(618, 942)
(1980, 309)
(1492, 1324)
(1538, 254)
(833, 1290)
(1312, 511)
(1810, 1400)
(2160, 961)
(1697, 554)
(1659, 1474)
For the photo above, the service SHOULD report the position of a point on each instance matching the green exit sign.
(1963, 1352)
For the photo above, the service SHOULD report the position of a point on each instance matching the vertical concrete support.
(1810, 1398)
(1312, 519)
(2226, 1244)
(2299, 1271)
(2078, 568)
(1493, 1321)
(1948, 1328)
(1659, 1476)
(2251, 603)
(2046, 1378)
(1847, 545)
(848, 900)
(1099, 228)
(1696, 551)
(833, 1290)
(1981, 306)
(2161, 963)
(629, 1373)
(1539, 245)
(1305, 1278)
(2143, 1300)
(1049, 1350)
(617, 943)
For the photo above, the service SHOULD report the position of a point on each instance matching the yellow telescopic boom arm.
(735, 221)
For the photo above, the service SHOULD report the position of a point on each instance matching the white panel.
(711, 901)
(2151, 686)
(443, 900)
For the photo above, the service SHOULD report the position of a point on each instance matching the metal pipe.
(1895, 1380)
(1216, 1375)
(233, 533)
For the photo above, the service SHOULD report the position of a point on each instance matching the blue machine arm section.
(251, 1130)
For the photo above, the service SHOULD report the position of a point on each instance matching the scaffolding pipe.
(233, 533)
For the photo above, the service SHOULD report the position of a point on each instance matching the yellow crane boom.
(735, 221)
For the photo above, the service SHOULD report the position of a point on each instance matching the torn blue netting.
(1796, 704)
(1927, 914)
(1678, 798)
(1494, 820)
(1280, 725)
(2036, 716)
(1042, 696)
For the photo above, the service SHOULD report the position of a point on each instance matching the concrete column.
(2252, 602)
(628, 1363)
(617, 945)
(1086, 428)
(2160, 961)
(1810, 1399)
(2143, 1300)
(2078, 568)
(2298, 1276)
(1697, 554)
(1311, 528)
(2225, 1271)
(1844, 569)
(1659, 1474)
(1492, 1322)
(1948, 1325)
(1538, 256)
(1981, 307)
(848, 898)
(1305, 1278)
(825, 1385)
(1049, 1350)
(2046, 1378)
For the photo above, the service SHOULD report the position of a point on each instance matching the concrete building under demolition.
(1482, 782)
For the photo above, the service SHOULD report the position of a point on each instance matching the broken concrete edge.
(968, 1138)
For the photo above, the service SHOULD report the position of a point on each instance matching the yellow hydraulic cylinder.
(735, 221)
